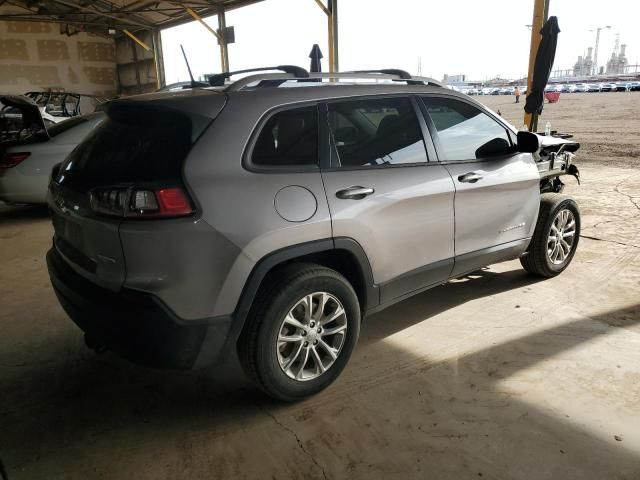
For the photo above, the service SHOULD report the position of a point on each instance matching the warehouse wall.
(136, 66)
(35, 56)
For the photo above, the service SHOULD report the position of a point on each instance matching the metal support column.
(222, 39)
(334, 64)
(134, 54)
(158, 58)
(540, 9)
(331, 11)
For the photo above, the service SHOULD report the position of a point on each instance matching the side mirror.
(494, 148)
(528, 142)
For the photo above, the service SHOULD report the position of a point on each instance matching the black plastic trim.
(271, 261)
(133, 324)
(217, 79)
(418, 279)
(470, 262)
(432, 156)
(371, 289)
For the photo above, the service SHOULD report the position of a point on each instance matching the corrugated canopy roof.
(98, 15)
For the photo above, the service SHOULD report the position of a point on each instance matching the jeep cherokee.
(271, 220)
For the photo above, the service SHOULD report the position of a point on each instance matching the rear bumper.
(137, 325)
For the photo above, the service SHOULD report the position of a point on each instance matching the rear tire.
(555, 238)
(291, 351)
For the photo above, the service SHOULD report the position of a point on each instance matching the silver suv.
(269, 219)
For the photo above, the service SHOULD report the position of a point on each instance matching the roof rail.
(276, 79)
(403, 74)
(218, 79)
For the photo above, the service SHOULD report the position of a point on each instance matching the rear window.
(288, 139)
(132, 146)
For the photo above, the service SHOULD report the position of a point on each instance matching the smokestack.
(589, 52)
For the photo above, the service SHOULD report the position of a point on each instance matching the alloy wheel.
(561, 237)
(311, 336)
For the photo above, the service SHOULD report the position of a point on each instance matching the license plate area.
(68, 230)
(90, 244)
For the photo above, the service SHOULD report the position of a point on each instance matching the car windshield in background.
(62, 104)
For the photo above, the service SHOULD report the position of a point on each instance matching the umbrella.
(542, 68)
(315, 55)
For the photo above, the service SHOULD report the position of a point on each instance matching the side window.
(464, 131)
(288, 138)
(379, 132)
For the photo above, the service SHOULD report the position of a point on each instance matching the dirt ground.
(497, 375)
(606, 124)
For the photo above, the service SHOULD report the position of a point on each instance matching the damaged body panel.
(554, 158)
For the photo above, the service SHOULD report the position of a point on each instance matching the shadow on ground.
(21, 213)
(74, 412)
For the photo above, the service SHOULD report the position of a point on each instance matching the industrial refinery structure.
(586, 69)
(616, 66)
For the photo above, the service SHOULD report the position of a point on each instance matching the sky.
(481, 39)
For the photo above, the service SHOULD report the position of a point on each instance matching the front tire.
(555, 238)
(300, 332)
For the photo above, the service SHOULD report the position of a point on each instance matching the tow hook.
(91, 343)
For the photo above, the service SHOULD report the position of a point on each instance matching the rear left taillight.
(141, 203)
(11, 159)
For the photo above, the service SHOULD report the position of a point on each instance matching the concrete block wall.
(136, 66)
(35, 56)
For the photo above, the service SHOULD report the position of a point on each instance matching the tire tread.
(535, 261)
(273, 283)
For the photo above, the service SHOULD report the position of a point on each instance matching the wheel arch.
(343, 254)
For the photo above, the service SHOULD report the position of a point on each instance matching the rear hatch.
(117, 173)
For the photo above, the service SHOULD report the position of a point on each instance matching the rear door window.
(464, 131)
(289, 138)
(376, 133)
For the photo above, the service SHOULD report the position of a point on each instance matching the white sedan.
(25, 166)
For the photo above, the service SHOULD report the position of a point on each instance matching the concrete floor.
(497, 375)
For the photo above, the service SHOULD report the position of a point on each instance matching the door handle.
(471, 177)
(354, 193)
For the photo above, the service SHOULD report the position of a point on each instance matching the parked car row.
(557, 87)
(492, 90)
(593, 87)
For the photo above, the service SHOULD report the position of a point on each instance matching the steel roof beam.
(95, 11)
